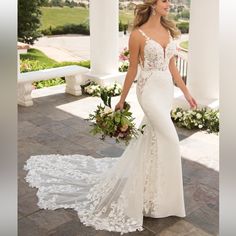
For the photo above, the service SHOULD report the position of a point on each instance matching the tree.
(46, 3)
(29, 20)
(185, 14)
(57, 3)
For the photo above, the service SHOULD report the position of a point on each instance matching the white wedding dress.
(115, 193)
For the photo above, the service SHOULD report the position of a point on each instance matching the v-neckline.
(150, 38)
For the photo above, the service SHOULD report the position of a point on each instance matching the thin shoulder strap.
(144, 34)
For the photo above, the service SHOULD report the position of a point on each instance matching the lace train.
(102, 190)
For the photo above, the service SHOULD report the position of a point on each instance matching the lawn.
(37, 55)
(55, 16)
(184, 44)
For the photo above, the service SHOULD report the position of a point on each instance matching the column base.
(104, 80)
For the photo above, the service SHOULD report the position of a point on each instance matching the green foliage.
(67, 63)
(115, 124)
(184, 44)
(204, 119)
(29, 20)
(36, 55)
(177, 17)
(29, 65)
(48, 83)
(58, 3)
(124, 60)
(124, 66)
(183, 27)
(123, 27)
(185, 14)
(82, 28)
(67, 29)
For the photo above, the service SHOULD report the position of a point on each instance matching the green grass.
(55, 16)
(126, 16)
(184, 44)
(36, 55)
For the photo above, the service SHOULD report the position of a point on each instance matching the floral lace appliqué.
(155, 58)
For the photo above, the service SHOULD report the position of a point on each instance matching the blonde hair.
(143, 11)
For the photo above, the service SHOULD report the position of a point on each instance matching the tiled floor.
(55, 124)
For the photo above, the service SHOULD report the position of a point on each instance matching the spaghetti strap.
(147, 38)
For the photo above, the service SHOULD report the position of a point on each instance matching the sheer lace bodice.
(155, 56)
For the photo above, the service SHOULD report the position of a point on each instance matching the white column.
(104, 36)
(203, 55)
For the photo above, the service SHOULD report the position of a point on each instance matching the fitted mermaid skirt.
(115, 193)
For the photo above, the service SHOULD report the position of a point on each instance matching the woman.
(115, 193)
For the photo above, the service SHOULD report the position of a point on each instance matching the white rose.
(87, 89)
(90, 91)
(199, 116)
(200, 126)
(179, 114)
(107, 110)
(120, 63)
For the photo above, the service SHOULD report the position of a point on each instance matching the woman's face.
(162, 7)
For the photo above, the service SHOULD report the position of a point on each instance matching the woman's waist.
(155, 71)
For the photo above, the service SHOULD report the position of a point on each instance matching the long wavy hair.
(143, 11)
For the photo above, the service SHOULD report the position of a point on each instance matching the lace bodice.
(155, 56)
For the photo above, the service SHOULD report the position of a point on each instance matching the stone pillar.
(104, 36)
(203, 55)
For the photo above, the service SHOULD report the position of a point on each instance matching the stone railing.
(73, 76)
(182, 65)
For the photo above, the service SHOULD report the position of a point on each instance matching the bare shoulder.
(135, 34)
(135, 38)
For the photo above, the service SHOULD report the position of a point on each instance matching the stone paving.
(55, 124)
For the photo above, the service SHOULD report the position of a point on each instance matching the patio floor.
(55, 124)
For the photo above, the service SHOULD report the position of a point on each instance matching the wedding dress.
(115, 193)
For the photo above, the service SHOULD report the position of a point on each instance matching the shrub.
(96, 90)
(124, 60)
(204, 118)
(183, 27)
(80, 63)
(68, 29)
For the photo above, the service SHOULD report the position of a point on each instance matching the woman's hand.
(119, 106)
(192, 102)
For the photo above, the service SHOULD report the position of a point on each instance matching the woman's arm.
(133, 67)
(180, 83)
(176, 76)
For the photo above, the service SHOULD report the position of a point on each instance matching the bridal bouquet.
(115, 124)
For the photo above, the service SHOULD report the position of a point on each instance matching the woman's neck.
(154, 22)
